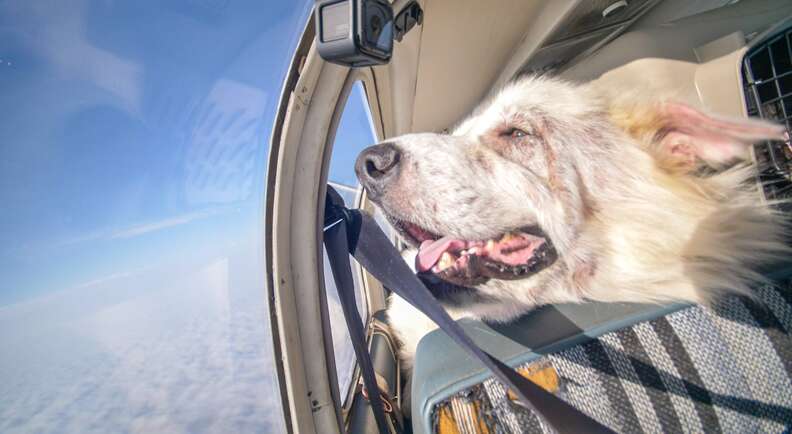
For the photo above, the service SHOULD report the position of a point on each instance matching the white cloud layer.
(130, 356)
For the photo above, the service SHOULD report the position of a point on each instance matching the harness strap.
(357, 233)
(335, 239)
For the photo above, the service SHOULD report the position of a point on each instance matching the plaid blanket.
(724, 368)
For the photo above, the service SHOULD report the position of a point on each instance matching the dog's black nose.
(376, 166)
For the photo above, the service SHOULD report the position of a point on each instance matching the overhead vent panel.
(589, 26)
(593, 15)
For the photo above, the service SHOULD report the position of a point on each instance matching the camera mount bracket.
(409, 16)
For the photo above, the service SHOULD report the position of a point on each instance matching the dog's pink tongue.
(431, 250)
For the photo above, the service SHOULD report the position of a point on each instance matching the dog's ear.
(686, 135)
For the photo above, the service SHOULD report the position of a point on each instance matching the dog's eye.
(515, 133)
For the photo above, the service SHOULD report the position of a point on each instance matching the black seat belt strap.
(335, 239)
(375, 253)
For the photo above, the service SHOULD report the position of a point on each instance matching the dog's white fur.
(614, 180)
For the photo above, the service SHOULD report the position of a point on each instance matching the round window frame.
(312, 101)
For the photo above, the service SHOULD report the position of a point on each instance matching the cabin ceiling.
(464, 46)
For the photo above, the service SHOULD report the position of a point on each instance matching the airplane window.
(355, 132)
(135, 139)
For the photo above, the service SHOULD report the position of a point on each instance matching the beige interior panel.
(549, 15)
(660, 78)
(719, 83)
(464, 46)
(396, 81)
(678, 39)
(696, 59)
(714, 85)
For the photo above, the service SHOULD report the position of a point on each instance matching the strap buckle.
(382, 384)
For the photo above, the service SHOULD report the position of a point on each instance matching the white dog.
(556, 192)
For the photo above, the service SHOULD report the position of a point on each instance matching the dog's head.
(499, 199)
(497, 207)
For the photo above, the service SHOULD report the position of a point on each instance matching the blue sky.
(114, 115)
(134, 140)
(354, 133)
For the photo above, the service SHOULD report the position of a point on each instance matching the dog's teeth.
(446, 260)
(491, 245)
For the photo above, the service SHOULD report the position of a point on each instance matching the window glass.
(355, 132)
(134, 141)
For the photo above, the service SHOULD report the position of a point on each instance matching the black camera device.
(361, 32)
